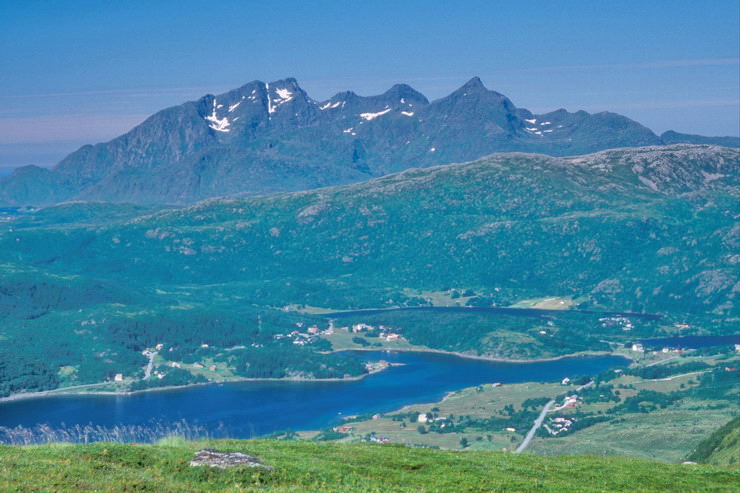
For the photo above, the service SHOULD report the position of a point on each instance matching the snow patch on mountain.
(330, 105)
(218, 124)
(284, 94)
(371, 116)
(270, 109)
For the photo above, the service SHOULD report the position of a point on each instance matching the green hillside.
(306, 466)
(639, 230)
(721, 448)
(648, 230)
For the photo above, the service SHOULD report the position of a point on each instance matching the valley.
(236, 284)
(480, 246)
(341, 288)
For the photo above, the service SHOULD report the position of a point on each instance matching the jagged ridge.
(272, 137)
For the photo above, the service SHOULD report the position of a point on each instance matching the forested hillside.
(649, 230)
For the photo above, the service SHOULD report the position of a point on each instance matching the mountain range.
(272, 137)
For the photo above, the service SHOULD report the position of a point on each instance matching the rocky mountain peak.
(474, 84)
(266, 137)
(406, 93)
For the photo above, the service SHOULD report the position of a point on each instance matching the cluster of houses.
(197, 365)
(426, 418)
(370, 438)
(568, 402)
(311, 334)
(303, 338)
(559, 424)
(639, 348)
(380, 439)
(617, 321)
(385, 332)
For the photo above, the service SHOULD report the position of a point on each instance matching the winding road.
(541, 418)
(148, 371)
(535, 427)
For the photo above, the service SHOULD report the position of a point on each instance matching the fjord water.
(248, 409)
(691, 342)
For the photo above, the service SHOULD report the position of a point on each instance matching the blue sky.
(75, 72)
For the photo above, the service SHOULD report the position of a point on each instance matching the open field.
(341, 340)
(546, 303)
(491, 417)
(666, 435)
(478, 402)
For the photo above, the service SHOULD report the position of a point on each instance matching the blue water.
(691, 342)
(248, 409)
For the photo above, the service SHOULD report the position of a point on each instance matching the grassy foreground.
(309, 466)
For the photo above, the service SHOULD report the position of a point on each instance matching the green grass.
(728, 452)
(307, 466)
(341, 339)
(721, 448)
(545, 303)
(480, 402)
(666, 434)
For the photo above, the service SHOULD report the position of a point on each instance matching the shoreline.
(65, 391)
(486, 358)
